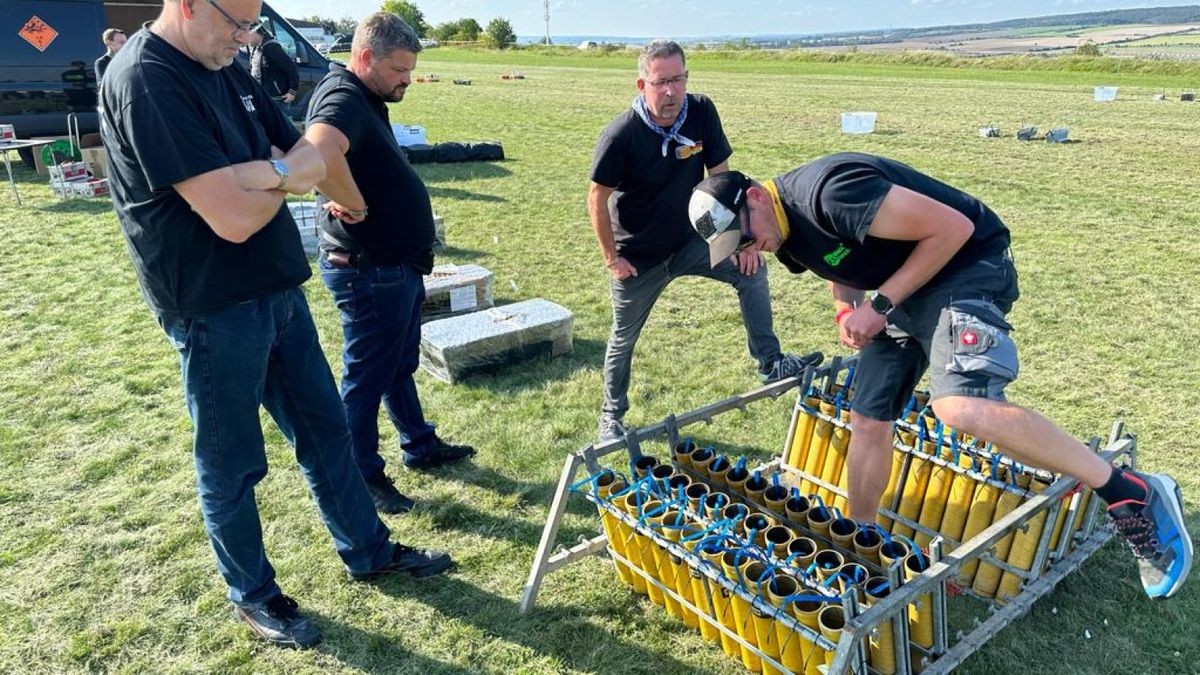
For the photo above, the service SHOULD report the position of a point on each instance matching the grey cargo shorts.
(955, 328)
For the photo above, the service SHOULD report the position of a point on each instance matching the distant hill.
(1115, 17)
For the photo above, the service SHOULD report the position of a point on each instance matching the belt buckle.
(340, 259)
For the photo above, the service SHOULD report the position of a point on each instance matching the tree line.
(497, 33)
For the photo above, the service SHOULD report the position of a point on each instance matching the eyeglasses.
(678, 80)
(240, 28)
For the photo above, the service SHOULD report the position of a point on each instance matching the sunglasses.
(240, 28)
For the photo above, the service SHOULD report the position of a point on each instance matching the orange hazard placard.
(38, 33)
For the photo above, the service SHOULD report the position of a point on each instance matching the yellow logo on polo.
(686, 151)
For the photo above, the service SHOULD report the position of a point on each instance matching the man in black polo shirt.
(200, 161)
(646, 163)
(937, 260)
(373, 262)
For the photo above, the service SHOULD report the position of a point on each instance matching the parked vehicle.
(47, 59)
(340, 45)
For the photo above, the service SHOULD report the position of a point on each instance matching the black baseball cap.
(713, 211)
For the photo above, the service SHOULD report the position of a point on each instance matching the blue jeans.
(633, 298)
(265, 353)
(381, 323)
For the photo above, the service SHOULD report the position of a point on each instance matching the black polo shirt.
(165, 119)
(830, 203)
(649, 207)
(399, 228)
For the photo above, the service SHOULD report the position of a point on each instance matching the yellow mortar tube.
(882, 645)
(805, 423)
(630, 541)
(735, 565)
(933, 509)
(682, 453)
(987, 579)
(758, 578)
(814, 461)
(979, 517)
(1024, 549)
(606, 485)
(920, 612)
(832, 620)
(958, 504)
(722, 606)
(843, 479)
(791, 654)
(912, 495)
(835, 457)
(889, 492)
(652, 557)
(674, 526)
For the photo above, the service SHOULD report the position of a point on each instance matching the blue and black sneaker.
(1156, 532)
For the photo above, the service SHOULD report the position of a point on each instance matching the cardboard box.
(68, 171)
(7, 132)
(92, 187)
(38, 164)
(96, 160)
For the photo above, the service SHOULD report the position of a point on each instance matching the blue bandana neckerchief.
(668, 135)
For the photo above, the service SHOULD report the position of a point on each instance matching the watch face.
(881, 304)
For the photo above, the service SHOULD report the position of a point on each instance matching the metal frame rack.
(1053, 560)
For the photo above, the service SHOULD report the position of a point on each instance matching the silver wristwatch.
(281, 170)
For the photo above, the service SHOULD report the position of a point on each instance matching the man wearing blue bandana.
(647, 161)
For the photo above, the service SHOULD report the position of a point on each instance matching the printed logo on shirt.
(836, 257)
(686, 151)
(248, 102)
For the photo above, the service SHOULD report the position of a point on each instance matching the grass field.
(104, 565)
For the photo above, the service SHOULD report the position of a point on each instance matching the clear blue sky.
(687, 18)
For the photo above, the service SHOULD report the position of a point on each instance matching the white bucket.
(858, 122)
(409, 134)
(1105, 94)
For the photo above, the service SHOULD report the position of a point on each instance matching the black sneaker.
(385, 495)
(419, 563)
(609, 428)
(440, 454)
(279, 622)
(789, 365)
(1157, 534)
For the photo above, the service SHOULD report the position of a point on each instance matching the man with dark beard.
(373, 262)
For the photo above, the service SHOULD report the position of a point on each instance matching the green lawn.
(104, 565)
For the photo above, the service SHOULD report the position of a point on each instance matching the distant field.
(1165, 40)
(1040, 40)
(104, 565)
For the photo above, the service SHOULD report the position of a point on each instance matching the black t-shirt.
(165, 119)
(649, 206)
(830, 203)
(399, 229)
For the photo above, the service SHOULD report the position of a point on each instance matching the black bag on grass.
(419, 154)
(450, 152)
(485, 152)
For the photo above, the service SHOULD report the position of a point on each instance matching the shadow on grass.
(460, 255)
(489, 479)
(453, 513)
(517, 377)
(436, 192)
(93, 205)
(376, 653)
(437, 173)
(564, 632)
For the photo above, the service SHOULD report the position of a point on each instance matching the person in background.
(114, 39)
(271, 66)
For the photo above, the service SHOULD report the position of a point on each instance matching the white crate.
(409, 134)
(67, 171)
(460, 346)
(305, 215)
(451, 290)
(7, 132)
(858, 122)
(1105, 94)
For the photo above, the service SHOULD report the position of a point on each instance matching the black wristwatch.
(881, 304)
